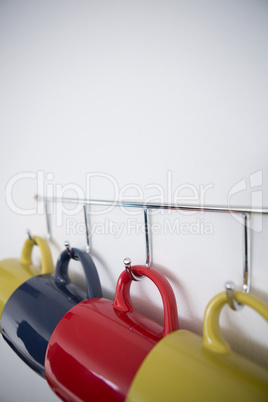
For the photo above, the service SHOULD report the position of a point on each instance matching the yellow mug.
(14, 271)
(184, 367)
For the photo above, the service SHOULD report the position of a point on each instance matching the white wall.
(146, 92)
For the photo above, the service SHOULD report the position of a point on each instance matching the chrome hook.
(68, 247)
(247, 260)
(69, 250)
(147, 238)
(39, 198)
(30, 236)
(47, 220)
(127, 262)
(229, 286)
(86, 226)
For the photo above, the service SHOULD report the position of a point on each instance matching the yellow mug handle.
(213, 339)
(26, 255)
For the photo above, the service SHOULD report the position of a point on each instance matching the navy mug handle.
(90, 270)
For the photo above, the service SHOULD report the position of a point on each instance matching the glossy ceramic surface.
(185, 367)
(35, 308)
(14, 271)
(98, 346)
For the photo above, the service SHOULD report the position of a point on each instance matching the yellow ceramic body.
(185, 367)
(13, 271)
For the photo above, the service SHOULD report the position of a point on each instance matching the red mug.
(98, 346)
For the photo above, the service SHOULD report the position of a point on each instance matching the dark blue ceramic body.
(36, 307)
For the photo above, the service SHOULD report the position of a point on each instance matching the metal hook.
(127, 263)
(147, 238)
(69, 250)
(247, 262)
(30, 236)
(47, 220)
(230, 287)
(86, 226)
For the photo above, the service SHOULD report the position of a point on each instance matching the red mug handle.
(122, 300)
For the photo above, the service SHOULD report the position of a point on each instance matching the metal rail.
(134, 204)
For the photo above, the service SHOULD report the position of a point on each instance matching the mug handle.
(122, 300)
(46, 258)
(213, 339)
(91, 274)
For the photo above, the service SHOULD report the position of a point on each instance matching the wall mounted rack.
(246, 212)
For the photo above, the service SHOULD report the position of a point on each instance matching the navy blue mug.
(35, 308)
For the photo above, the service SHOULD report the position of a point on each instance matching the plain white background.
(164, 97)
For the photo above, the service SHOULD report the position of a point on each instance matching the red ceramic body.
(98, 346)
